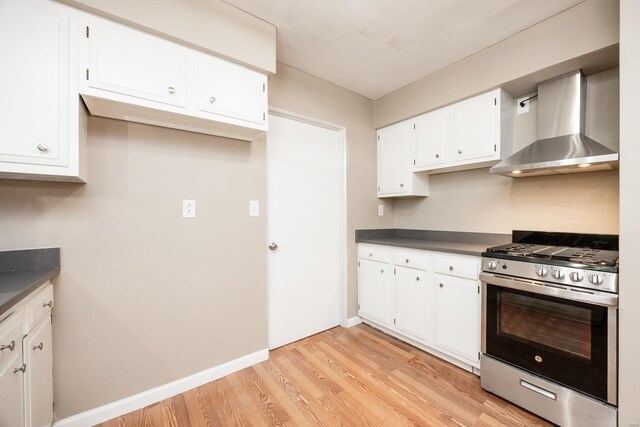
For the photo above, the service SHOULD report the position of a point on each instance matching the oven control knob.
(596, 279)
(558, 274)
(576, 276)
(492, 265)
(541, 271)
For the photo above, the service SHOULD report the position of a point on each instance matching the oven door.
(561, 334)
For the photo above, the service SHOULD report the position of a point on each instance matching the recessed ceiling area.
(375, 47)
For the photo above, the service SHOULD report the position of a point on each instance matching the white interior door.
(304, 176)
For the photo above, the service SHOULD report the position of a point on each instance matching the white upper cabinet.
(131, 75)
(431, 134)
(41, 135)
(473, 133)
(126, 61)
(231, 90)
(396, 145)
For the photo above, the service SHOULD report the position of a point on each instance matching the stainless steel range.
(549, 325)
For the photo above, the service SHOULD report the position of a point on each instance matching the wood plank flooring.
(340, 377)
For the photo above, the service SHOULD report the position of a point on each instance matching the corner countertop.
(458, 242)
(23, 271)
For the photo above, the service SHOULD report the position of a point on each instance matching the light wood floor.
(340, 377)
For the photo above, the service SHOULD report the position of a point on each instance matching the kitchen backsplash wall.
(478, 201)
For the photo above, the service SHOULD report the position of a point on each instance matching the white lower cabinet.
(374, 285)
(26, 362)
(430, 299)
(456, 316)
(411, 291)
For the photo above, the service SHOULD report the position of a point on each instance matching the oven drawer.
(457, 265)
(411, 259)
(554, 402)
(374, 253)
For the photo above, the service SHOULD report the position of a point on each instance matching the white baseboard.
(140, 400)
(353, 321)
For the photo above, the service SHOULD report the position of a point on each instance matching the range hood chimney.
(562, 147)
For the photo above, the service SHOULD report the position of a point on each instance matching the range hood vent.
(563, 147)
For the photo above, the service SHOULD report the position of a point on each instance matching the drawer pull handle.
(38, 347)
(537, 389)
(49, 304)
(22, 369)
(42, 147)
(11, 346)
(441, 285)
(451, 268)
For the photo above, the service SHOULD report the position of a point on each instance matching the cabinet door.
(475, 127)
(394, 172)
(457, 316)
(130, 62)
(11, 382)
(431, 134)
(38, 378)
(374, 290)
(411, 301)
(231, 90)
(34, 82)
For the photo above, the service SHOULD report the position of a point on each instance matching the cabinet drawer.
(11, 340)
(411, 259)
(460, 266)
(38, 308)
(373, 253)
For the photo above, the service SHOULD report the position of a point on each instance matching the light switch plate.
(254, 208)
(188, 209)
(380, 210)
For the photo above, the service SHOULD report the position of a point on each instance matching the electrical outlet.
(380, 210)
(188, 209)
(254, 208)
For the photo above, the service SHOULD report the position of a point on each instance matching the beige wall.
(304, 94)
(629, 214)
(587, 27)
(478, 201)
(146, 297)
(211, 25)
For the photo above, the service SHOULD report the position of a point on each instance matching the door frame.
(342, 202)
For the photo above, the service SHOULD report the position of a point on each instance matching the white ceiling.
(374, 47)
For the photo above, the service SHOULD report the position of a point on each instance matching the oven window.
(559, 326)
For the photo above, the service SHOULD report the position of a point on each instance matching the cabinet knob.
(43, 148)
(171, 89)
(407, 260)
(38, 347)
(437, 156)
(22, 369)
(212, 99)
(381, 271)
(11, 346)
(273, 246)
(401, 185)
(441, 285)
(49, 304)
(459, 151)
(451, 268)
(370, 254)
(417, 279)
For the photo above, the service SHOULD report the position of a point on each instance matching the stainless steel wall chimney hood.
(562, 146)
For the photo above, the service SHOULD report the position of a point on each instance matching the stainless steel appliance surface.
(549, 325)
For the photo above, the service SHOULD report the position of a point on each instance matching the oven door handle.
(597, 298)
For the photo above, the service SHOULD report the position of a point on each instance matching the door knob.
(273, 246)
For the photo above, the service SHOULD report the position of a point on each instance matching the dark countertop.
(23, 271)
(464, 243)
